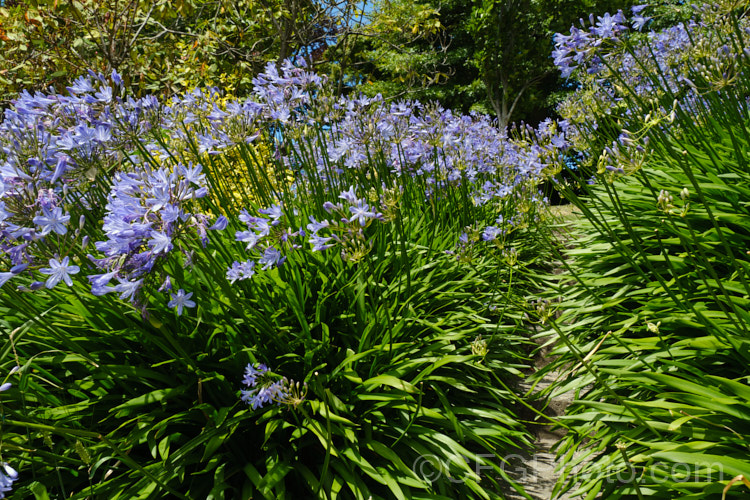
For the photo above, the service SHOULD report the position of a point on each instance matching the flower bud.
(37, 285)
(19, 268)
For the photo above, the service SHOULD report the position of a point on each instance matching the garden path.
(537, 471)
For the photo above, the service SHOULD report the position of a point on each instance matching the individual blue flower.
(60, 167)
(349, 196)
(274, 211)
(330, 207)
(59, 270)
(103, 134)
(166, 285)
(104, 95)
(316, 226)
(52, 220)
(640, 21)
(271, 257)
(180, 300)
(8, 476)
(260, 225)
(249, 237)
(220, 224)
(193, 175)
(170, 213)
(81, 86)
(320, 243)
(4, 277)
(116, 78)
(127, 289)
(100, 282)
(361, 212)
(160, 242)
(15, 270)
(608, 26)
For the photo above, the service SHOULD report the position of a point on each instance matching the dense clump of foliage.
(354, 281)
(490, 56)
(653, 332)
(163, 47)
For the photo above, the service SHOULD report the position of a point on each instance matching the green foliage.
(653, 336)
(403, 359)
(158, 46)
(487, 56)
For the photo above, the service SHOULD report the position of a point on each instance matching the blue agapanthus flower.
(59, 271)
(52, 220)
(181, 300)
(149, 211)
(8, 476)
(265, 388)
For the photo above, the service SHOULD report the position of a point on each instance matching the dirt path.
(537, 471)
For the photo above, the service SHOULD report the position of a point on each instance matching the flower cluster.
(579, 49)
(354, 215)
(148, 214)
(287, 95)
(265, 238)
(422, 141)
(684, 59)
(265, 388)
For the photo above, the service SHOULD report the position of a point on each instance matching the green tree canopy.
(491, 56)
(162, 46)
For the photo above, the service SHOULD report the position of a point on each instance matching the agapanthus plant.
(619, 69)
(380, 184)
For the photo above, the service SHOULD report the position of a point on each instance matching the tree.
(162, 46)
(510, 35)
(487, 55)
(157, 45)
(408, 52)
